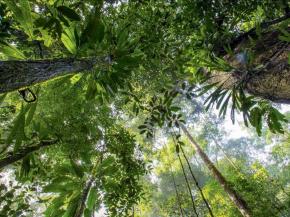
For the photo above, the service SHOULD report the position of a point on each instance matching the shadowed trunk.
(233, 195)
(16, 74)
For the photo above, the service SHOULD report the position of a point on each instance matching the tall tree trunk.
(19, 155)
(16, 74)
(196, 183)
(237, 200)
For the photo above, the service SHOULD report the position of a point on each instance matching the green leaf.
(77, 168)
(69, 13)
(175, 108)
(72, 207)
(17, 131)
(88, 213)
(92, 198)
(22, 13)
(2, 98)
(32, 110)
(256, 119)
(11, 51)
(94, 31)
(92, 90)
(53, 210)
(68, 43)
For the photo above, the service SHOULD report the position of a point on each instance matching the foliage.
(148, 57)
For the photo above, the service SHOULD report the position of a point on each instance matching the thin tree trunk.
(177, 195)
(80, 210)
(14, 157)
(197, 184)
(188, 186)
(226, 155)
(16, 74)
(237, 200)
(82, 203)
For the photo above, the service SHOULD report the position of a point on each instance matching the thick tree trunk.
(16, 74)
(268, 76)
(14, 157)
(237, 200)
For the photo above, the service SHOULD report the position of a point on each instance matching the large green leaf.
(93, 32)
(11, 51)
(69, 41)
(92, 198)
(17, 131)
(69, 13)
(22, 13)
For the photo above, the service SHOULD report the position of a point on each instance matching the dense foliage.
(101, 96)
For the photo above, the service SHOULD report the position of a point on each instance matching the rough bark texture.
(237, 200)
(18, 74)
(272, 79)
(14, 157)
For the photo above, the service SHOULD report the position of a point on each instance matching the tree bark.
(16, 74)
(14, 157)
(268, 75)
(81, 208)
(234, 196)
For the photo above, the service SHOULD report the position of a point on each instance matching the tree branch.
(14, 157)
(251, 33)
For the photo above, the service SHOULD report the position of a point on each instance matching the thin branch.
(197, 184)
(186, 180)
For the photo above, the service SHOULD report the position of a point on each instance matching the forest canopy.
(144, 108)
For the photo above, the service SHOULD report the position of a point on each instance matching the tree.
(72, 73)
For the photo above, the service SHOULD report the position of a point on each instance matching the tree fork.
(233, 195)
